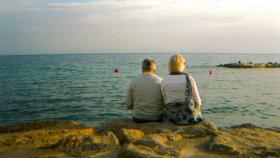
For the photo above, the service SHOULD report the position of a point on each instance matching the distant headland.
(240, 64)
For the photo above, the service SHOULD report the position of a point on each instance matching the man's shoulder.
(156, 77)
(136, 79)
(147, 76)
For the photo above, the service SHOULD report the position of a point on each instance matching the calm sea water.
(85, 88)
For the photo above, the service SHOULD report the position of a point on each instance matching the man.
(144, 94)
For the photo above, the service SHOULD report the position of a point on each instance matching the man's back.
(144, 97)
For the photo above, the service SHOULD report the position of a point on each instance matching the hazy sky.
(73, 26)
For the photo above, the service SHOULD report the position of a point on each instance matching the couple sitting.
(174, 98)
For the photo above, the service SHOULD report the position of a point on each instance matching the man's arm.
(129, 98)
(163, 96)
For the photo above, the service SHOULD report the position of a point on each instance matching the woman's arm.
(196, 97)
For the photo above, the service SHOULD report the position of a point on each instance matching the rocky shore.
(125, 139)
(250, 65)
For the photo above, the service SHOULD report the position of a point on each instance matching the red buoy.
(117, 70)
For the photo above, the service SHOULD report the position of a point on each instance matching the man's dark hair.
(147, 64)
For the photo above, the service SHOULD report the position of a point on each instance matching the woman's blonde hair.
(176, 63)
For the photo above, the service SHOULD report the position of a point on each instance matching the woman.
(180, 94)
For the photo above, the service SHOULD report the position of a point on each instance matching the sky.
(97, 26)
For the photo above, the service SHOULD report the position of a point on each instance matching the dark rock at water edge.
(250, 65)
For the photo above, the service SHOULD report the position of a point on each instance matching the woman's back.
(173, 89)
(180, 94)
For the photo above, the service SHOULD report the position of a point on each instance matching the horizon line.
(138, 52)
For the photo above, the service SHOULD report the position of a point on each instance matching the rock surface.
(250, 65)
(125, 139)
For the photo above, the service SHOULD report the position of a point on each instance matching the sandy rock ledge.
(125, 139)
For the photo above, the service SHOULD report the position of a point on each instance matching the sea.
(85, 88)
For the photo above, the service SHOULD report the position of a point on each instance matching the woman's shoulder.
(192, 80)
(190, 77)
(174, 78)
